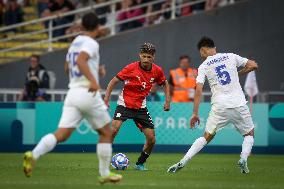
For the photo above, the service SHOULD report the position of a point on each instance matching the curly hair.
(148, 48)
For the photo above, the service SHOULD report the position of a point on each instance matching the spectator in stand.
(57, 7)
(198, 7)
(128, 14)
(167, 5)
(76, 2)
(102, 12)
(82, 4)
(19, 2)
(1, 11)
(141, 2)
(41, 6)
(36, 70)
(186, 9)
(75, 28)
(13, 13)
(37, 80)
(211, 4)
(157, 18)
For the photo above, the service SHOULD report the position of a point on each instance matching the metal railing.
(50, 28)
(11, 95)
(112, 25)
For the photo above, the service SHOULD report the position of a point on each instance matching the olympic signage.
(171, 127)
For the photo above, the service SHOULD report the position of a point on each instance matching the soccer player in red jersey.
(138, 79)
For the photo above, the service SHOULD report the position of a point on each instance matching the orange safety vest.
(184, 87)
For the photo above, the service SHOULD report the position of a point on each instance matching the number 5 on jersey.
(223, 75)
(74, 70)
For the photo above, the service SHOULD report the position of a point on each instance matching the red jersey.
(137, 84)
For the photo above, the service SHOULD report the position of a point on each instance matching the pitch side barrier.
(23, 125)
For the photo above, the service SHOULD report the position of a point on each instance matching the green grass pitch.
(205, 171)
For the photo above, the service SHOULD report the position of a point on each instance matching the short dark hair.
(205, 42)
(35, 56)
(184, 57)
(148, 48)
(90, 21)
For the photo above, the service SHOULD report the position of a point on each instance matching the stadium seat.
(30, 13)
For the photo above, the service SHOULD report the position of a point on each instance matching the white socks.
(104, 151)
(201, 142)
(246, 147)
(46, 144)
(194, 149)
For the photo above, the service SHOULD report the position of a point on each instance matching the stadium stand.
(192, 28)
(20, 40)
(17, 36)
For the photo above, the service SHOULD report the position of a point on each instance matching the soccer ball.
(120, 161)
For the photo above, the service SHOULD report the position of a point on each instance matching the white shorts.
(79, 104)
(240, 117)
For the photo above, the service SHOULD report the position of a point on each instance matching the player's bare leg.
(105, 134)
(62, 134)
(116, 124)
(194, 149)
(246, 150)
(45, 145)
(147, 149)
(150, 140)
(104, 151)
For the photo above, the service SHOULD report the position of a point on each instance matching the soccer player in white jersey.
(83, 100)
(228, 100)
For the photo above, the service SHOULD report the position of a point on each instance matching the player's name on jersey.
(217, 60)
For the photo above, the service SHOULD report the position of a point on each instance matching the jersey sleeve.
(125, 72)
(161, 78)
(201, 75)
(91, 48)
(241, 61)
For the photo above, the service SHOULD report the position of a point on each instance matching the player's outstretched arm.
(251, 65)
(166, 88)
(109, 89)
(82, 62)
(197, 97)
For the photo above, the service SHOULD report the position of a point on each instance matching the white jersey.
(91, 47)
(222, 74)
(79, 102)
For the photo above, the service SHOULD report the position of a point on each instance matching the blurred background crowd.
(11, 11)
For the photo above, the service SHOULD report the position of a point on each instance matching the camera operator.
(32, 92)
(39, 71)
